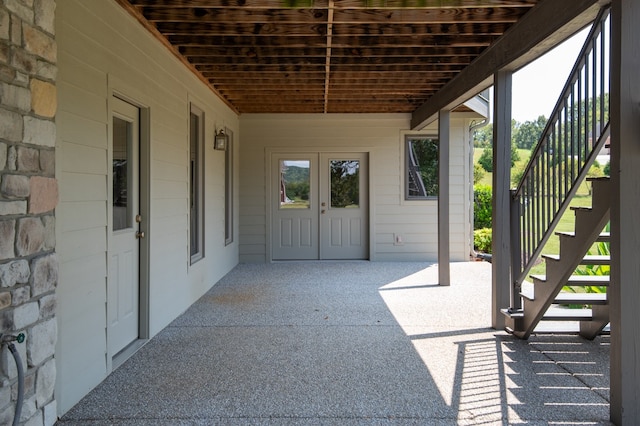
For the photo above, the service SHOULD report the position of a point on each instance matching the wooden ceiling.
(328, 56)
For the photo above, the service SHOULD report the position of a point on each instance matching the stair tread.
(590, 259)
(512, 314)
(565, 314)
(604, 236)
(581, 208)
(567, 298)
(581, 298)
(579, 279)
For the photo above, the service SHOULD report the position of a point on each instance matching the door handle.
(321, 211)
(140, 234)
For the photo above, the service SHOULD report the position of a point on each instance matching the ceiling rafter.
(327, 55)
(327, 66)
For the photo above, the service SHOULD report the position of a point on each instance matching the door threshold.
(119, 358)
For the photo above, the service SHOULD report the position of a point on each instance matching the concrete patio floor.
(359, 343)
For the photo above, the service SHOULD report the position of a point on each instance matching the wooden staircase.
(543, 298)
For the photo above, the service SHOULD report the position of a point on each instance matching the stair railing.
(573, 137)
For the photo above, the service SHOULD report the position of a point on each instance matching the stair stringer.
(600, 318)
(589, 223)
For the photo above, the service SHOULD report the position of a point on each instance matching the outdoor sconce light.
(220, 141)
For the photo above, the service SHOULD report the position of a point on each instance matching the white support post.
(501, 246)
(444, 126)
(625, 230)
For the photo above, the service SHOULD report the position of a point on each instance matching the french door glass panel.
(295, 184)
(345, 183)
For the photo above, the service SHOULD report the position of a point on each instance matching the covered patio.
(356, 343)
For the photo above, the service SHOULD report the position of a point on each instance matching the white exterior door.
(344, 201)
(294, 231)
(124, 248)
(320, 206)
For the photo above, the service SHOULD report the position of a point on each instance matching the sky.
(537, 86)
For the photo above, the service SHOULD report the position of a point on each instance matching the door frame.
(271, 151)
(120, 92)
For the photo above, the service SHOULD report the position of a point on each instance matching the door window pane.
(345, 183)
(294, 184)
(122, 217)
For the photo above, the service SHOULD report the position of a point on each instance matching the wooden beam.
(343, 4)
(625, 232)
(444, 143)
(501, 206)
(457, 29)
(420, 16)
(542, 28)
(327, 71)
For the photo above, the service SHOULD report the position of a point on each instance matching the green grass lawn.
(582, 199)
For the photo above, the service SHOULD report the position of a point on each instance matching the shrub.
(481, 206)
(482, 240)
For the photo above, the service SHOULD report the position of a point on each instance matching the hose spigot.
(7, 338)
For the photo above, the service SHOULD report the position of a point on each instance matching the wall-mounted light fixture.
(220, 141)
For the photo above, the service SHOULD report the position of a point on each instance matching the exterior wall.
(103, 50)
(382, 135)
(28, 197)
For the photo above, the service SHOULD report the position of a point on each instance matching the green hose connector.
(7, 338)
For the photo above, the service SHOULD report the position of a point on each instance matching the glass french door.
(320, 206)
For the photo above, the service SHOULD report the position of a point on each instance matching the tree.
(483, 137)
(486, 158)
(478, 173)
(529, 132)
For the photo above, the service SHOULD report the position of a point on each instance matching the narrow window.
(421, 168)
(228, 191)
(196, 184)
(122, 174)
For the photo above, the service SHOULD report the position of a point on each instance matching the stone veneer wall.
(28, 196)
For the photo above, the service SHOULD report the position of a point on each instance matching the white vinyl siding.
(102, 50)
(382, 135)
